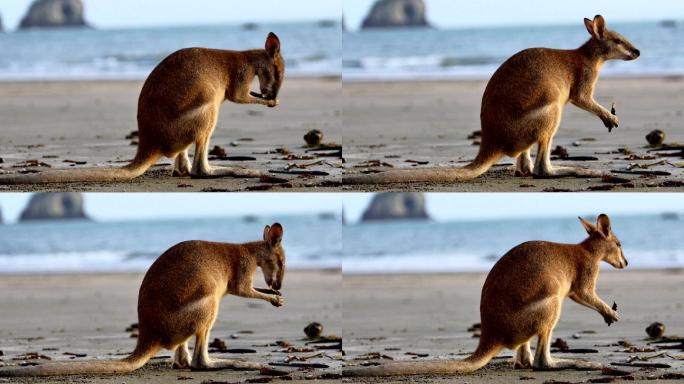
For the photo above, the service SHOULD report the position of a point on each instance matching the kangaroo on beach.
(179, 298)
(522, 106)
(179, 107)
(522, 298)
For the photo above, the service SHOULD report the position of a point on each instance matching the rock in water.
(1, 27)
(54, 14)
(54, 206)
(396, 13)
(396, 206)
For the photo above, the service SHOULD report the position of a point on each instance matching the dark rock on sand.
(396, 206)
(396, 13)
(54, 14)
(54, 206)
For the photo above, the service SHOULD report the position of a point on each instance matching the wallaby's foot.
(558, 172)
(277, 301)
(215, 365)
(181, 165)
(559, 364)
(216, 172)
(523, 166)
(181, 360)
(523, 359)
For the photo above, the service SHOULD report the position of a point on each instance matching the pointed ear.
(589, 227)
(266, 230)
(600, 26)
(590, 27)
(603, 224)
(272, 44)
(275, 235)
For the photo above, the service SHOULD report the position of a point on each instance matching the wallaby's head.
(604, 242)
(272, 263)
(610, 45)
(271, 75)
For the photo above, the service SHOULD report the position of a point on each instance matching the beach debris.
(282, 151)
(417, 162)
(234, 144)
(373, 163)
(612, 111)
(373, 356)
(75, 355)
(578, 158)
(416, 354)
(74, 162)
(296, 350)
(560, 344)
(560, 151)
(31, 163)
(646, 166)
(475, 135)
(297, 156)
(132, 135)
(218, 151)
(646, 358)
(218, 344)
(614, 372)
(655, 137)
(474, 327)
(2, 160)
(301, 365)
(554, 189)
(132, 327)
(272, 372)
(314, 330)
(32, 356)
(299, 172)
(643, 173)
(313, 138)
(642, 365)
(656, 329)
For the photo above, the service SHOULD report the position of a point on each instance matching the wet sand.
(88, 314)
(430, 314)
(88, 121)
(431, 120)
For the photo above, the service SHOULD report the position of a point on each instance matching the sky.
(441, 206)
(137, 206)
(454, 13)
(136, 13)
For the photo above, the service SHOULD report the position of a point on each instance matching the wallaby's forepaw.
(273, 103)
(610, 121)
(277, 301)
(611, 317)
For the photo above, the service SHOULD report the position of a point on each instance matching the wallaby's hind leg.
(200, 358)
(182, 357)
(181, 166)
(523, 358)
(524, 164)
(202, 169)
(544, 170)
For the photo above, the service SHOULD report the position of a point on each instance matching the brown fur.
(179, 107)
(522, 298)
(179, 298)
(522, 107)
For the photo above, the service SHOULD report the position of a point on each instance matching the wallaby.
(179, 106)
(522, 298)
(179, 298)
(522, 106)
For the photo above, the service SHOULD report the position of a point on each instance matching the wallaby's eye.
(617, 41)
(618, 244)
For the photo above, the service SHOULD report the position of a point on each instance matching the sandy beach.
(57, 122)
(397, 122)
(55, 315)
(430, 314)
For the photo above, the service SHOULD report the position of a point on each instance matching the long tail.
(140, 164)
(482, 355)
(137, 359)
(483, 161)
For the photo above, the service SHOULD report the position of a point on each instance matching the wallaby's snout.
(273, 263)
(271, 77)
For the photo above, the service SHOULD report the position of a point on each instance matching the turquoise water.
(414, 246)
(309, 241)
(477, 52)
(309, 49)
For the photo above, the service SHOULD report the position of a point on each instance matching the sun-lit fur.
(179, 107)
(522, 107)
(179, 299)
(522, 299)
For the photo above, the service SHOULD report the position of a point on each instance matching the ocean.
(309, 49)
(466, 246)
(475, 53)
(125, 246)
